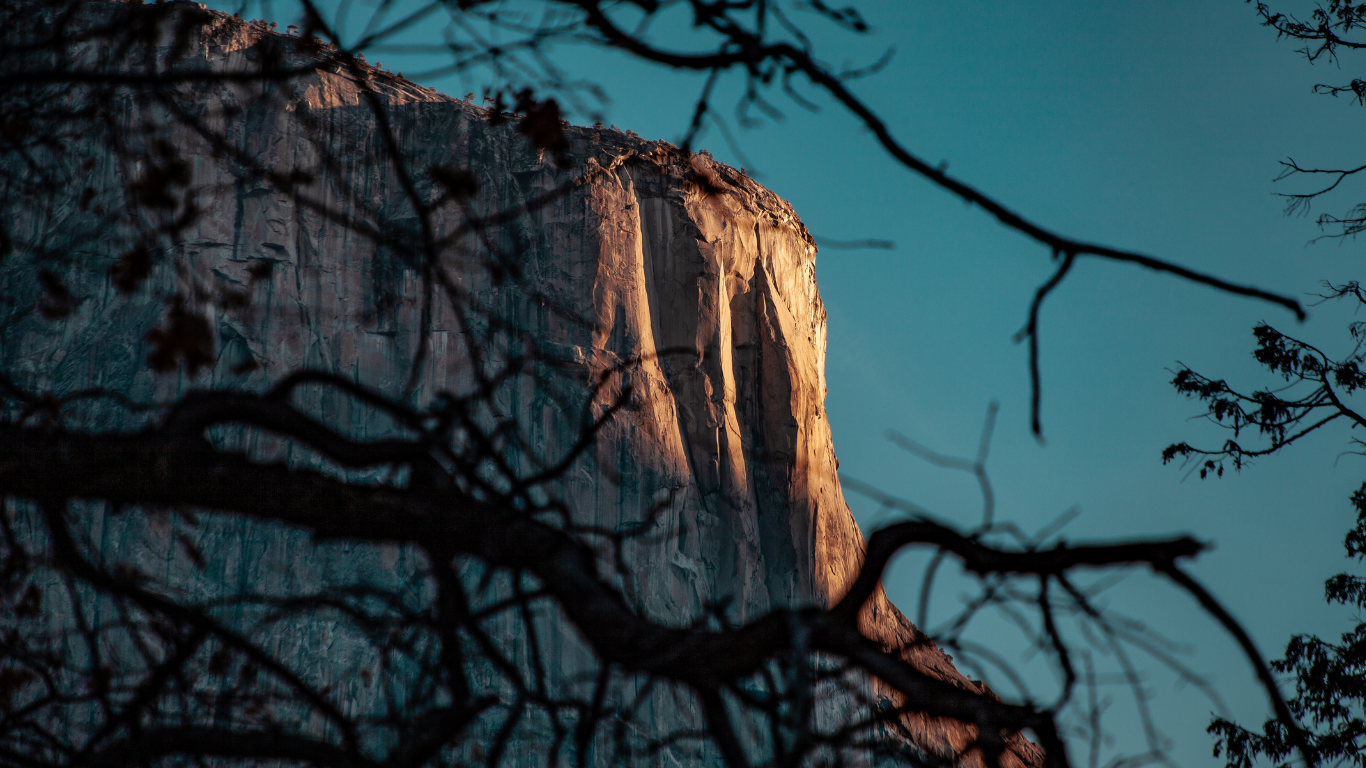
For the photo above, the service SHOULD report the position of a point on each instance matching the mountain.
(225, 230)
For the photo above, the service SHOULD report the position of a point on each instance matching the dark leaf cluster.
(539, 120)
(1330, 685)
(1315, 392)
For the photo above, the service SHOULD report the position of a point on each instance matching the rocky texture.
(693, 280)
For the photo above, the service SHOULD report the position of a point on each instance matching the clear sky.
(1153, 126)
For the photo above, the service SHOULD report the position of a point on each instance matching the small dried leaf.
(57, 301)
(261, 270)
(12, 681)
(186, 337)
(156, 187)
(98, 683)
(231, 298)
(131, 269)
(218, 662)
(543, 125)
(130, 574)
(31, 604)
(14, 129)
(459, 182)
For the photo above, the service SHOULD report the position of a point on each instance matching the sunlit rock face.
(633, 265)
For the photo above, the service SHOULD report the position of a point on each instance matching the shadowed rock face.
(637, 265)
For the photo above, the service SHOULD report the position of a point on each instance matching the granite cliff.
(299, 216)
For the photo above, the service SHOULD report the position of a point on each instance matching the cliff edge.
(607, 263)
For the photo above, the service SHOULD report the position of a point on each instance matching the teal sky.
(1150, 126)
